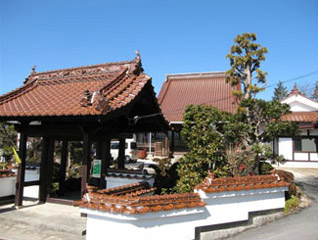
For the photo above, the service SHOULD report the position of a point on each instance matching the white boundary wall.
(224, 207)
(7, 186)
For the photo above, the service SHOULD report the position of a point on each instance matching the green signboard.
(97, 167)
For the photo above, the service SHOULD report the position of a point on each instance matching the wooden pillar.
(63, 167)
(86, 162)
(166, 145)
(98, 149)
(172, 144)
(43, 170)
(21, 170)
(105, 157)
(50, 162)
(121, 154)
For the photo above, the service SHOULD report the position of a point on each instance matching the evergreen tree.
(314, 96)
(226, 143)
(246, 57)
(280, 92)
(8, 138)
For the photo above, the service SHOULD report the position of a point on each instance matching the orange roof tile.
(125, 199)
(180, 90)
(6, 173)
(309, 117)
(211, 184)
(87, 90)
(132, 199)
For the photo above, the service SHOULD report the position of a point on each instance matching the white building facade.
(301, 151)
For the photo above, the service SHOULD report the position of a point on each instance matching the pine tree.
(246, 57)
(280, 92)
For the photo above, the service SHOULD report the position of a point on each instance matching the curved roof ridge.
(17, 92)
(195, 74)
(85, 66)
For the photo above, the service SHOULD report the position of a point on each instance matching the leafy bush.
(291, 205)
(166, 175)
(265, 168)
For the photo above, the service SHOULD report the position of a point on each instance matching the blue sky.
(172, 36)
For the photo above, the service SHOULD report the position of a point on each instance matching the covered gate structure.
(91, 104)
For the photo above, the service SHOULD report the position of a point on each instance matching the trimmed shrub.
(292, 205)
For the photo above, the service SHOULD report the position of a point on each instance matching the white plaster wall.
(301, 156)
(32, 175)
(299, 107)
(176, 225)
(31, 191)
(313, 156)
(303, 132)
(293, 164)
(180, 224)
(285, 148)
(314, 132)
(299, 103)
(7, 186)
(120, 181)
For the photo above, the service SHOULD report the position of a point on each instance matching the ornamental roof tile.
(212, 185)
(180, 90)
(132, 199)
(309, 117)
(87, 90)
(6, 173)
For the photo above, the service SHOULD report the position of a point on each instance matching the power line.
(294, 79)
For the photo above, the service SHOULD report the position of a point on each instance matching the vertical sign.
(97, 167)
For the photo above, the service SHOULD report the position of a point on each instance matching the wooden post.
(121, 154)
(21, 170)
(50, 162)
(166, 145)
(172, 144)
(105, 157)
(43, 170)
(86, 162)
(63, 167)
(98, 149)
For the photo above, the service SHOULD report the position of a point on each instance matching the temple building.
(301, 151)
(91, 104)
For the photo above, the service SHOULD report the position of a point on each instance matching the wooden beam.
(43, 170)
(21, 171)
(86, 162)
(121, 154)
(31, 183)
(63, 167)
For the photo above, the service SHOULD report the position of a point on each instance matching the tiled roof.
(87, 90)
(6, 173)
(111, 201)
(180, 90)
(211, 185)
(134, 189)
(309, 117)
(295, 91)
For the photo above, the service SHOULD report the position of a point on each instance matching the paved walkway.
(302, 225)
(39, 222)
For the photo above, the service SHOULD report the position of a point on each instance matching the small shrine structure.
(91, 104)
